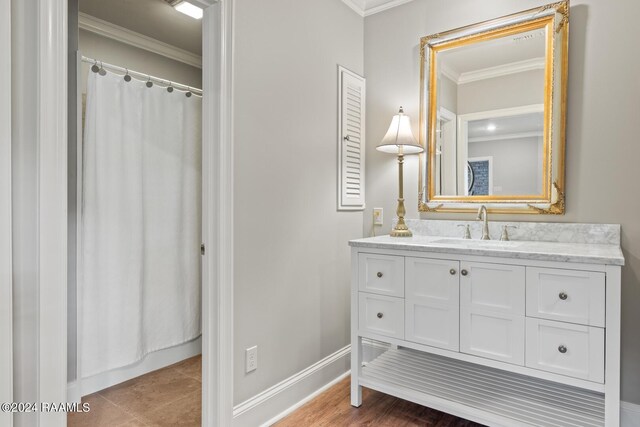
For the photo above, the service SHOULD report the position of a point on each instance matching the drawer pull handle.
(562, 349)
(452, 271)
(563, 296)
(379, 274)
(464, 272)
(380, 315)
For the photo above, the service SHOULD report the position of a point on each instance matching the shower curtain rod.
(146, 77)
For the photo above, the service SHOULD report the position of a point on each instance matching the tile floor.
(168, 397)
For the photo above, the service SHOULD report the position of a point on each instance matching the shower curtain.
(140, 223)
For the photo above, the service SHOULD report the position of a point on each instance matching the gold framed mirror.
(493, 112)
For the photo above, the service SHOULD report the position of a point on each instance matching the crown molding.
(501, 70)
(124, 35)
(370, 7)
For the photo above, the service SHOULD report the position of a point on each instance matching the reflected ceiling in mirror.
(492, 114)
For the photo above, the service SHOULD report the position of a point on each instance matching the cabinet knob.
(379, 274)
(380, 315)
(464, 272)
(563, 296)
(562, 349)
(452, 271)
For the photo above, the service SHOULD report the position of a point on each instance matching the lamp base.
(401, 230)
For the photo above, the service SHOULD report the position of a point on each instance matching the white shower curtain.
(140, 224)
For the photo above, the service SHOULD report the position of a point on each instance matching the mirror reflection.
(489, 128)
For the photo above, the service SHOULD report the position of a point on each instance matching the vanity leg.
(356, 340)
(612, 356)
(356, 366)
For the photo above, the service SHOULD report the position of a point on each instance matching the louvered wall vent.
(351, 140)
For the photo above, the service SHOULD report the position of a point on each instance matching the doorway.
(217, 207)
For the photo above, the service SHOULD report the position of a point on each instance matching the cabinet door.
(432, 305)
(492, 306)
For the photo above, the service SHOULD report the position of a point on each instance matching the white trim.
(124, 35)
(357, 6)
(629, 414)
(6, 278)
(217, 202)
(501, 70)
(370, 7)
(151, 362)
(519, 135)
(51, 256)
(377, 6)
(306, 399)
(251, 411)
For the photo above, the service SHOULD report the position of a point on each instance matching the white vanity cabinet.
(501, 340)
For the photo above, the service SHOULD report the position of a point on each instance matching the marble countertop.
(534, 250)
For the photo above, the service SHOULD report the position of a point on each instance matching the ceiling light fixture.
(188, 9)
(491, 127)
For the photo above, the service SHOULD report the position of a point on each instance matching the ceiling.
(496, 52)
(153, 18)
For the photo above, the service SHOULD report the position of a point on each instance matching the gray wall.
(602, 122)
(513, 90)
(292, 261)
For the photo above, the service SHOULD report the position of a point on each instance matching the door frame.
(217, 221)
(6, 275)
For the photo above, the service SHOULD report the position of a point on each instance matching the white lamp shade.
(399, 138)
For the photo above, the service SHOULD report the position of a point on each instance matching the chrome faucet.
(482, 216)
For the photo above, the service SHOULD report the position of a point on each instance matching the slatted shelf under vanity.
(514, 399)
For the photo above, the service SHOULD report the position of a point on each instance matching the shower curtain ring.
(188, 94)
(127, 77)
(95, 67)
(149, 82)
(102, 71)
(170, 88)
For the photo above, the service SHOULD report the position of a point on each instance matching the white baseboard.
(152, 362)
(629, 414)
(305, 400)
(283, 398)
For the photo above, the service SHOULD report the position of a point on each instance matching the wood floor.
(172, 397)
(333, 408)
(168, 397)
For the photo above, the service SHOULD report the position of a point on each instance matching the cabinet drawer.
(381, 274)
(381, 315)
(566, 295)
(567, 349)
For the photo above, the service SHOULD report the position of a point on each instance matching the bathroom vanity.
(521, 332)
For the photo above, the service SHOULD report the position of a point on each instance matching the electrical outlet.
(377, 216)
(251, 359)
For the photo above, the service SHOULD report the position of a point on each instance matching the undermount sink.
(488, 244)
